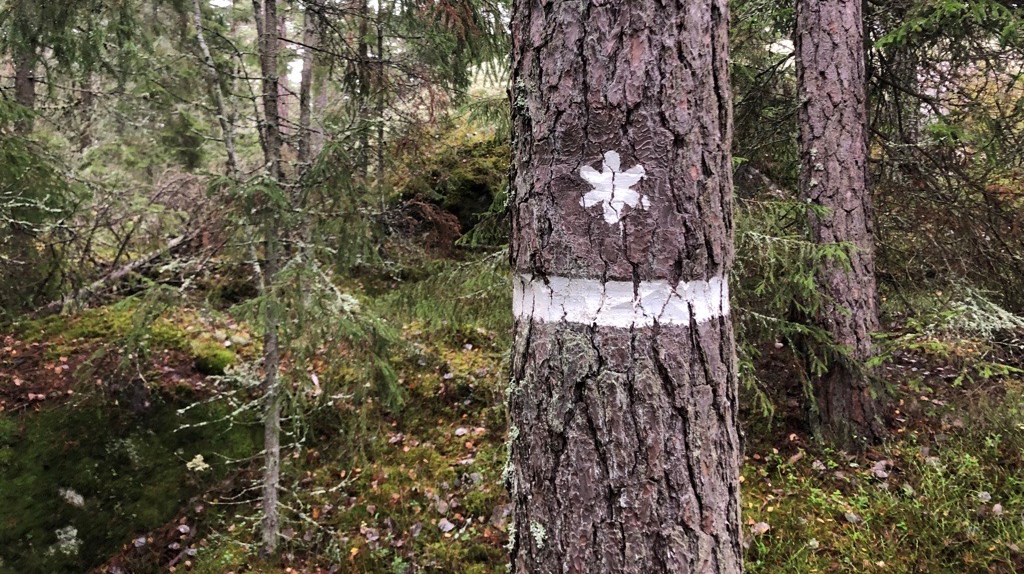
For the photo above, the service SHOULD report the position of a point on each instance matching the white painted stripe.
(619, 303)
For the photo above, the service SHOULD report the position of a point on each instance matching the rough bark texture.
(833, 145)
(624, 452)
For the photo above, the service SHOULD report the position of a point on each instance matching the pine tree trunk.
(282, 83)
(309, 38)
(833, 147)
(271, 353)
(25, 87)
(319, 134)
(382, 12)
(623, 450)
(363, 77)
(87, 109)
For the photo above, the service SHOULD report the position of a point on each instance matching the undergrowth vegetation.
(135, 303)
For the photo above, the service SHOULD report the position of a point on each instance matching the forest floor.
(944, 494)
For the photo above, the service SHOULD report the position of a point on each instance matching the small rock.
(819, 466)
(853, 518)
(997, 509)
(880, 469)
(184, 529)
(461, 431)
(445, 525)
(139, 542)
(984, 496)
(760, 528)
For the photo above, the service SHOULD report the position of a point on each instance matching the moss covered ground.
(97, 446)
(422, 492)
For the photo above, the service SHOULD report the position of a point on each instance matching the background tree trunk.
(624, 452)
(87, 109)
(309, 38)
(25, 87)
(833, 146)
(269, 45)
(363, 72)
(379, 112)
(213, 77)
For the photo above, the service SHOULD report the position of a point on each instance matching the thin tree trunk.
(379, 113)
(309, 38)
(363, 74)
(269, 46)
(87, 109)
(282, 83)
(833, 146)
(319, 134)
(226, 129)
(624, 451)
(25, 88)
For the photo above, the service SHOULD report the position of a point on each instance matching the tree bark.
(382, 13)
(623, 450)
(833, 147)
(87, 109)
(309, 38)
(269, 46)
(226, 128)
(363, 73)
(282, 83)
(25, 88)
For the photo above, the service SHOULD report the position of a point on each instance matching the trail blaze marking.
(619, 303)
(614, 188)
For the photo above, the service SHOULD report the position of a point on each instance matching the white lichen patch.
(539, 534)
(619, 303)
(197, 464)
(68, 542)
(613, 188)
(72, 497)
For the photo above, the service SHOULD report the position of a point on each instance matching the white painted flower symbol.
(614, 188)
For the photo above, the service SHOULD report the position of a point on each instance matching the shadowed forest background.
(239, 232)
